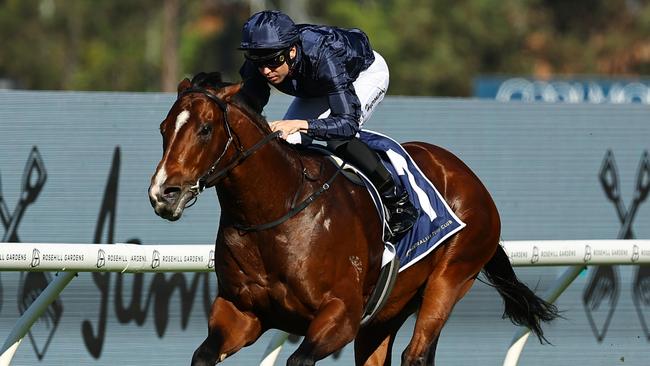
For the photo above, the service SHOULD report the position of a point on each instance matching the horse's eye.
(205, 129)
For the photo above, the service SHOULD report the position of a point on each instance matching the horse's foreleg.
(229, 329)
(331, 329)
(372, 347)
(374, 343)
(442, 291)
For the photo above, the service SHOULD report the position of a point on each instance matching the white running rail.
(132, 258)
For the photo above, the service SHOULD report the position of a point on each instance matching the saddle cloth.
(436, 221)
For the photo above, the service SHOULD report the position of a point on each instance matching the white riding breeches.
(370, 86)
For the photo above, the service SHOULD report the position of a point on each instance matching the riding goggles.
(272, 60)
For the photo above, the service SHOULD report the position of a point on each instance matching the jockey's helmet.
(268, 30)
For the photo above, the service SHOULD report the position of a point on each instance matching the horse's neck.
(259, 189)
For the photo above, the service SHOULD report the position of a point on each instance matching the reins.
(212, 176)
(294, 208)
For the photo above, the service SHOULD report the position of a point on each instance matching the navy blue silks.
(329, 60)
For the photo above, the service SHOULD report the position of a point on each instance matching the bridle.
(212, 175)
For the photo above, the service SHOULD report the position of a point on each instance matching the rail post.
(33, 312)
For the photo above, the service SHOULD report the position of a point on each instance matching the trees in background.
(85, 45)
(433, 47)
(438, 47)
(120, 45)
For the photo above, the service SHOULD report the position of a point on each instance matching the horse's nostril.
(171, 193)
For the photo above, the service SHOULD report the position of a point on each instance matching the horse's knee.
(205, 354)
(229, 330)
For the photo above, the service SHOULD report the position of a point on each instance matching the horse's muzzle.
(169, 202)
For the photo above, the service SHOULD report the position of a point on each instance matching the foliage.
(436, 47)
(433, 47)
(57, 44)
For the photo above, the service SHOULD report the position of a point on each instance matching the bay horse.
(299, 247)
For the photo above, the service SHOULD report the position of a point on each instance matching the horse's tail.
(522, 306)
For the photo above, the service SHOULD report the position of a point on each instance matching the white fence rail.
(133, 258)
(124, 258)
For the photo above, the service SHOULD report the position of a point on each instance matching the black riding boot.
(401, 212)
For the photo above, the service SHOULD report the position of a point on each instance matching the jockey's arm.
(341, 124)
(343, 120)
(345, 108)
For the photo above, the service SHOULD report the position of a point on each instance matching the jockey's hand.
(289, 126)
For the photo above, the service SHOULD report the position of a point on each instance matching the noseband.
(212, 175)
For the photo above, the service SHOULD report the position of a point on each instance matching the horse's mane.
(213, 80)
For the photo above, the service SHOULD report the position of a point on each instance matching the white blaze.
(161, 175)
(181, 120)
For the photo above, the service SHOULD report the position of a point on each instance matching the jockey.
(337, 80)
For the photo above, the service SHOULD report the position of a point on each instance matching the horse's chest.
(252, 295)
(247, 289)
(258, 285)
(261, 292)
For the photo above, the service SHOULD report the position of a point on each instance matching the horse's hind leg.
(443, 289)
(229, 330)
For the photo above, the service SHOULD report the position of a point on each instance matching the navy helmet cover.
(268, 30)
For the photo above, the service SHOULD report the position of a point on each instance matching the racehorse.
(297, 248)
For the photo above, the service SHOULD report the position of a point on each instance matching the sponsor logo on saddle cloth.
(436, 221)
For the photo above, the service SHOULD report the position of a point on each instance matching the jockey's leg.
(402, 214)
(229, 330)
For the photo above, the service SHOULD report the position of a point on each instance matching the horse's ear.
(227, 92)
(184, 85)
